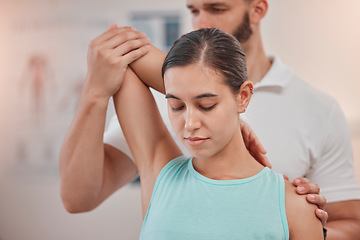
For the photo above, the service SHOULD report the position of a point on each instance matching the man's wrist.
(92, 95)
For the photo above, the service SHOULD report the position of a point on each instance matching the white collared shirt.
(304, 132)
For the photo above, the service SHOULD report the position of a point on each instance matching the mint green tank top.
(186, 205)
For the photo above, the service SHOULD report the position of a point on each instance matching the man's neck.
(258, 64)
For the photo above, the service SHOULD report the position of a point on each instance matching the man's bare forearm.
(82, 155)
(348, 229)
(344, 220)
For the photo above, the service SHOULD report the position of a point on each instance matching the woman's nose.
(192, 122)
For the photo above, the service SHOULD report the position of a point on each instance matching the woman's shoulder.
(292, 197)
(174, 166)
(302, 221)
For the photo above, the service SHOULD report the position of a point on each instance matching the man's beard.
(243, 31)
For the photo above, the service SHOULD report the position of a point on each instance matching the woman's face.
(202, 109)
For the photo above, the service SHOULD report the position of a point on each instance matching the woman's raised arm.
(146, 134)
(148, 68)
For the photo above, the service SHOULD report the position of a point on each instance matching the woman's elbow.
(76, 204)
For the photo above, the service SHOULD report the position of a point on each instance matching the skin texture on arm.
(88, 176)
(302, 221)
(85, 147)
(91, 171)
(305, 187)
(344, 220)
(149, 140)
(148, 69)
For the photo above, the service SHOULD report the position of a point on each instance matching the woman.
(221, 192)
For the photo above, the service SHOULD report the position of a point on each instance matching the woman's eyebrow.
(171, 96)
(206, 95)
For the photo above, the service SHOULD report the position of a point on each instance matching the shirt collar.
(278, 75)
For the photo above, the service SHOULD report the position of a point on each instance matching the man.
(305, 131)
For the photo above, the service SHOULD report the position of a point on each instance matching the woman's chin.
(199, 154)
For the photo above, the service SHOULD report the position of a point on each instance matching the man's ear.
(244, 96)
(258, 9)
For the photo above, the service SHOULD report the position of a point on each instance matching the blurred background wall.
(43, 48)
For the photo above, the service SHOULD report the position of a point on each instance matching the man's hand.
(108, 57)
(253, 144)
(305, 186)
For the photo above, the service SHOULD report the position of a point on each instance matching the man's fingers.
(261, 147)
(245, 131)
(301, 180)
(317, 199)
(264, 161)
(253, 139)
(130, 46)
(112, 31)
(302, 185)
(136, 54)
(322, 215)
(258, 155)
(112, 26)
(307, 188)
(253, 144)
(123, 38)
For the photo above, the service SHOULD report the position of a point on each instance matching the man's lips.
(195, 141)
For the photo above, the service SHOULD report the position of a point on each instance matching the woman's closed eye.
(207, 108)
(177, 108)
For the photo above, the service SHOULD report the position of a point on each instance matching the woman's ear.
(244, 96)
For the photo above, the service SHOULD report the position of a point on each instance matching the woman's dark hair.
(212, 48)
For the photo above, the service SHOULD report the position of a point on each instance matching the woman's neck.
(232, 162)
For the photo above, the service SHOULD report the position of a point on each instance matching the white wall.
(320, 40)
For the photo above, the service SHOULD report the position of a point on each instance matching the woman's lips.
(195, 141)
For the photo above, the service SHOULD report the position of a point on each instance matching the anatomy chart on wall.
(44, 71)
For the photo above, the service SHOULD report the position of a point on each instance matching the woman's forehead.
(193, 80)
(192, 74)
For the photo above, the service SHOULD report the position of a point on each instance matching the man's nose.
(203, 21)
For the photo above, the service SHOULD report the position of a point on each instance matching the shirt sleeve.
(334, 170)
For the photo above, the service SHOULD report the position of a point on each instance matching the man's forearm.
(348, 229)
(82, 155)
(344, 220)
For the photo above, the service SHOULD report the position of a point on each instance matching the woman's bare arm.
(302, 221)
(145, 132)
(148, 69)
